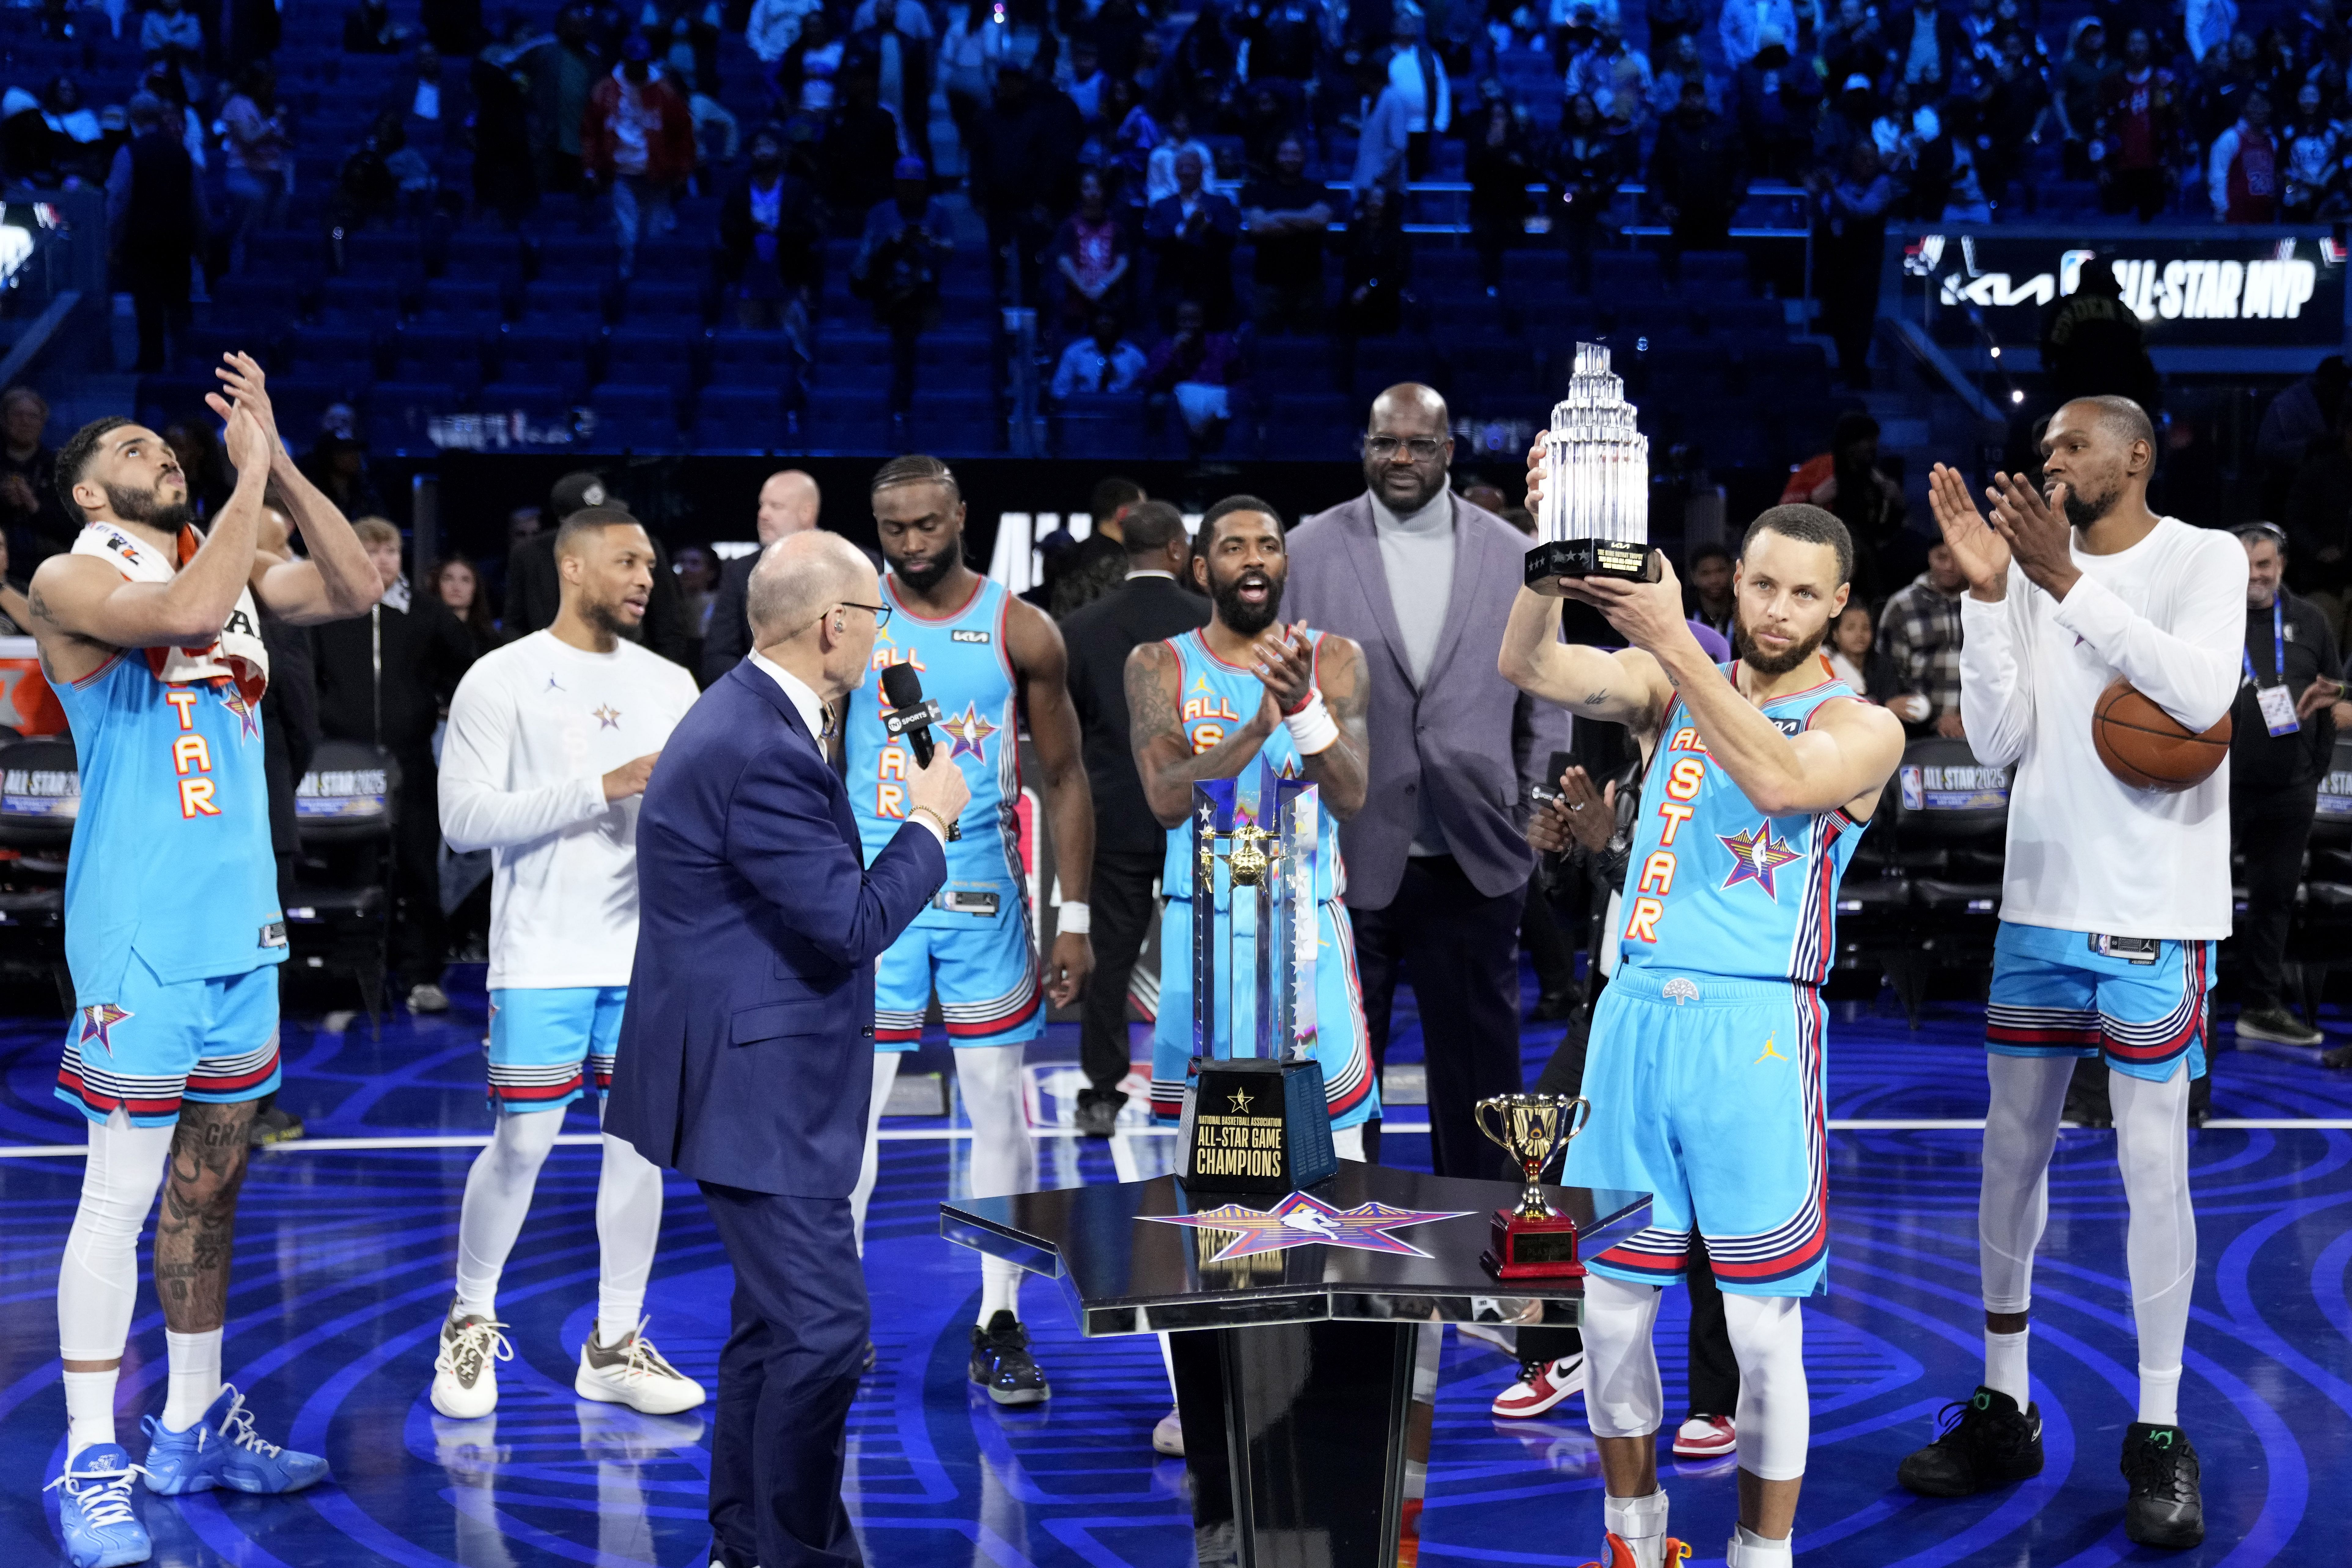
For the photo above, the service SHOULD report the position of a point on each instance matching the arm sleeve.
(478, 810)
(780, 835)
(1995, 706)
(2191, 672)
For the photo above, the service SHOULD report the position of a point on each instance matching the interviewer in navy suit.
(744, 1053)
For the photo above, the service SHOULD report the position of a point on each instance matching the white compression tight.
(1623, 1397)
(2029, 1093)
(497, 1195)
(98, 1279)
(1003, 1157)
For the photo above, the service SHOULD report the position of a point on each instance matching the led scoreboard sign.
(2208, 288)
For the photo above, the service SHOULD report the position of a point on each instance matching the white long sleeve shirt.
(2086, 851)
(533, 728)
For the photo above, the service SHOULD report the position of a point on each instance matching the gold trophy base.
(1520, 1246)
(1591, 558)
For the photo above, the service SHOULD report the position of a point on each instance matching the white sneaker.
(633, 1374)
(465, 1374)
(428, 998)
(1168, 1437)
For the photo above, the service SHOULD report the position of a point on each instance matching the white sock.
(1748, 1550)
(1641, 1523)
(2005, 1363)
(1000, 1289)
(89, 1409)
(628, 1225)
(196, 1377)
(2159, 1396)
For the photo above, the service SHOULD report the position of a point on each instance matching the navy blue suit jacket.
(746, 1054)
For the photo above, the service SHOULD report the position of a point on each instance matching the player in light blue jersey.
(1706, 1072)
(149, 634)
(990, 661)
(1210, 705)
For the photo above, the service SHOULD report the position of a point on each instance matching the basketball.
(2149, 749)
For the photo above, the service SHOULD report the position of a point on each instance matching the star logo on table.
(249, 717)
(970, 732)
(607, 717)
(1302, 1220)
(1241, 1098)
(1755, 856)
(98, 1023)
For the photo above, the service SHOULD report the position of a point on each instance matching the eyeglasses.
(1384, 448)
(881, 613)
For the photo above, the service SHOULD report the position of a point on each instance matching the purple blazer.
(1466, 735)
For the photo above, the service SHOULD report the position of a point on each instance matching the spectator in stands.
(788, 504)
(2139, 123)
(2242, 174)
(505, 182)
(454, 25)
(1097, 563)
(1616, 76)
(384, 678)
(768, 237)
(1744, 25)
(1697, 175)
(369, 29)
(1681, 63)
(1920, 633)
(2016, 107)
(1204, 68)
(969, 53)
(1263, 117)
(2208, 25)
(2082, 79)
(260, 157)
(1094, 259)
(1867, 502)
(2281, 743)
(170, 37)
(1087, 83)
(1119, 34)
(1707, 588)
(860, 147)
(338, 465)
(1383, 133)
(1850, 210)
(1949, 160)
(1371, 287)
(1775, 104)
(1023, 164)
(1855, 656)
(1500, 160)
(534, 591)
(1286, 42)
(2226, 77)
(1583, 167)
(1101, 362)
(32, 517)
(1670, 21)
(774, 25)
(1928, 47)
(1196, 368)
(2311, 158)
(458, 585)
(1193, 235)
(1853, 43)
(636, 139)
(907, 243)
(1419, 77)
(156, 227)
(1130, 844)
(1845, 122)
(1159, 169)
(808, 79)
(1287, 217)
(894, 41)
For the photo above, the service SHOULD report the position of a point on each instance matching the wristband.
(1074, 920)
(1312, 728)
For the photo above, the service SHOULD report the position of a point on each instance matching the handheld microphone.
(911, 713)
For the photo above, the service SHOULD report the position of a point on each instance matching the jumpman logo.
(552, 684)
(1772, 1052)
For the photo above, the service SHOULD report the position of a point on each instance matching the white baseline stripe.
(934, 1134)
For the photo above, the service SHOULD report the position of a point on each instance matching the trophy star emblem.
(1302, 1220)
(970, 733)
(1241, 1101)
(1755, 856)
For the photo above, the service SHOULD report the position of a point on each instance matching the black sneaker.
(274, 1125)
(2166, 1508)
(1000, 1363)
(1097, 1112)
(1985, 1442)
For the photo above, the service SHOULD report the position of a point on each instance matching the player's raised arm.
(1996, 701)
(1321, 692)
(1042, 663)
(337, 581)
(1623, 686)
(1163, 757)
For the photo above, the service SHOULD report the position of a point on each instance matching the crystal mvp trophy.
(1594, 518)
(1255, 1121)
(1534, 1240)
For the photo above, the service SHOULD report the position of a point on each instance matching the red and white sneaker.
(1621, 1555)
(1542, 1385)
(1706, 1438)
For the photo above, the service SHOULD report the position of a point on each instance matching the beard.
(1238, 613)
(1767, 664)
(927, 575)
(141, 506)
(610, 616)
(2082, 510)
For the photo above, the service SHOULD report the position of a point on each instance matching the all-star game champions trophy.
(1594, 520)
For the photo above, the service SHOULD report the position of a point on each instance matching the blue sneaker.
(100, 1529)
(224, 1450)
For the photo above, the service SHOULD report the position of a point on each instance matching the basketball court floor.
(346, 1242)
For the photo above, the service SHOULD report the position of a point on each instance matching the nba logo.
(1915, 795)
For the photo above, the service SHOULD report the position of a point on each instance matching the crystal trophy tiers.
(1256, 1120)
(1594, 520)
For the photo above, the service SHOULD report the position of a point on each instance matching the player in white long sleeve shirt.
(550, 741)
(2110, 902)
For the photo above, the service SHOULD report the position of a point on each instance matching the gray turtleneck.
(1417, 557)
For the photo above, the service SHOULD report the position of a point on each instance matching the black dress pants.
(1121, 898)
(2270, 827)
(778, 1436)
(1460, 950)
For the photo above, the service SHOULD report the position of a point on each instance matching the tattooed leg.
(198, 1224)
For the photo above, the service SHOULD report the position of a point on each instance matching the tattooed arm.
(1164, 756)
(1626, 687)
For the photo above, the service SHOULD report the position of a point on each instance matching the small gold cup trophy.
(1534, 1240)
(1594, 518)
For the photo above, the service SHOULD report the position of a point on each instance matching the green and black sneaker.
(2166, 1508)
(1987, 1442)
